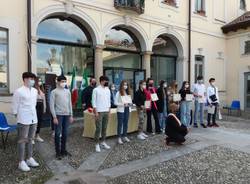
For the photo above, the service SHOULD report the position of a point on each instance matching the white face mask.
(40, 83)
(200, 81)
(144, 86)
(63, 84)
(113, 88)
(165, 85)
(187, 86)
(213, 83)
(31, 83)
(125, 87)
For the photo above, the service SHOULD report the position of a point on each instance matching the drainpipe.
(189, 40)
(29, 34)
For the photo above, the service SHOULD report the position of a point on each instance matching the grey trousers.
(26, 134)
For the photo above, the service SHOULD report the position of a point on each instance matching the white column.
(146, 63)
(98, 61)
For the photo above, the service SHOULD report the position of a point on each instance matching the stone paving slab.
(136, 150)
(212, 165)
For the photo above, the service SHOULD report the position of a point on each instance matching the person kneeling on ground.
(174, 130)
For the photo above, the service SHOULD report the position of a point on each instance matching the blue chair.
(235, 105)
(5, 128)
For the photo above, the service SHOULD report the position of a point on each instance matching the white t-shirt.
(101, 99)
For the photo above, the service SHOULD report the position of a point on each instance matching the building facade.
(123, 39)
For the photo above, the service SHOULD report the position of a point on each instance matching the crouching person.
(174, 130)
(24, 108)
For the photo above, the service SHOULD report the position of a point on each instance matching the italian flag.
(84, 84)
(73, 88)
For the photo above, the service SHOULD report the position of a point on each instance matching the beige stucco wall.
(100, 15)
(238, 63)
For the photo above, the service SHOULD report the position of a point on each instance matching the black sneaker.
(209, 125)
(195, 126)
(58, 156)
(203, 125)
(65, 154)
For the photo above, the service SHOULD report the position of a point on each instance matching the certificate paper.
(177, 97)
(154, 97)
(147, 104)
(210, 110)
(126, 99)
(189, 97)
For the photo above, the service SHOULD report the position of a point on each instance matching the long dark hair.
(39, 88)
(183, 85)
(162, 82)
(122, 90)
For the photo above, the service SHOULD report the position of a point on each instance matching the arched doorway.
(163, 59)
(122, 59)
(63, 43)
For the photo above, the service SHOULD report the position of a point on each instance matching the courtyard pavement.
(212, 155)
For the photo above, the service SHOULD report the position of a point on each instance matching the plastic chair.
(5, 128)
(235, 105)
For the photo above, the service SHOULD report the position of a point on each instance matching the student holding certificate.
(141, 105)
(186, 100)
(123, 102)
(153, 110)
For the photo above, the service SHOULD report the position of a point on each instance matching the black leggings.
(39, 111)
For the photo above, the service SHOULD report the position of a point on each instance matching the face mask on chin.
(63, 84)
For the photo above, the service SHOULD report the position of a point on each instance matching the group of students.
(162, 103)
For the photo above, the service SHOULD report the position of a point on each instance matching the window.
(3, 60)
(242, 4)
(200, 7)
(170, 2)
(62, 44)
(199, 66)
(247, 47)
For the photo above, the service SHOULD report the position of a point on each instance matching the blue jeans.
(185, 113)
(162, 119)
(199, 109)
(61, 128)
(122, 127)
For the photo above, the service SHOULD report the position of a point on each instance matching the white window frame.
(6, 90)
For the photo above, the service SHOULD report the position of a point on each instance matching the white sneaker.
(23, 166)
(39, 139)
(144, 135)
(126, 139)
(33, 142)
(120, 141)
(141, 137)
(32, 163)
(105, 145)
(97, 148)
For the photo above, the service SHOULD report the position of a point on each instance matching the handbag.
(213, 97)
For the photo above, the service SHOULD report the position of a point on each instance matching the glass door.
(133, 76)
(247, 91)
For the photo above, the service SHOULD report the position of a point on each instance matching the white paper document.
(126, 99)
(210, 109)
(154, 97)
(189, 97)
(177, 97)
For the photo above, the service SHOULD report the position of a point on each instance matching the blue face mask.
(31, 83)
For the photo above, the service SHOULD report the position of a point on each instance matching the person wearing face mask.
(102, 104)
(40, 106)
(87, 94)
(24, 108)
(162, 103)
(185, 105)
(153, 110)
(199, 91)
(123, 110)
(113, 92)
(139, 100)
(213, 101)
(175, 130)
(62, 113)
